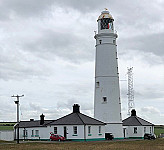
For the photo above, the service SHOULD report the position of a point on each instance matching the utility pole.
(17, 103)
(130, 90)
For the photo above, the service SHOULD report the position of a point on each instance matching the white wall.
(140, 131)
(95, 132)
(80, 132)
(115, 129)
(44, 132)
(7, 135)
(70, 133)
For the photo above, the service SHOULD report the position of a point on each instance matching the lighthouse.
(107, 104)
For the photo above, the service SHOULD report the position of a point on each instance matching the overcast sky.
(47, 53)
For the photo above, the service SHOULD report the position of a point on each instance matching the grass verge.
(157, 144)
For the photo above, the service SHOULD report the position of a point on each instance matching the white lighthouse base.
(116, 129)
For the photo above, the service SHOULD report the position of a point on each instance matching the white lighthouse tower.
(107, 104)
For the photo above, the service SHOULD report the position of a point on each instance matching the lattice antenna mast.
(130, 90)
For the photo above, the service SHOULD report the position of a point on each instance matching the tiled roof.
(70, 119)
(136, 121)
(76, 119)
(35, 123)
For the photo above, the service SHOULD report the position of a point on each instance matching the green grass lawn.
(157, 144)
(7, 126)
(158, 130)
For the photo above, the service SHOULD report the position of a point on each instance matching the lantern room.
(105, 22)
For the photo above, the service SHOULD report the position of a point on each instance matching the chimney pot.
(76, 108)
(42, 119)
(133, 112)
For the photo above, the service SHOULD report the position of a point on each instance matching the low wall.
(7, 135)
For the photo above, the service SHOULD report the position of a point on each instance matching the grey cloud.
(151, 114)
(84, 106)
(65, 45)
(16, 66)
(149, 93)
(67, 104)
(81, 5)
(147, 43)
(7, 110)
(29, 8)
(150, 110)
(35, 106)
(145, 93)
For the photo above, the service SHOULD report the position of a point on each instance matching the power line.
(17, 103)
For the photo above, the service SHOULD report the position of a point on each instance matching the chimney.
(133, 112)
(42, 119)
(76, 108)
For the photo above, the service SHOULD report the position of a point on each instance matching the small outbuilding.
(136, 127)
(74, 126)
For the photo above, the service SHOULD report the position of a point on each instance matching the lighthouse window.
(97, 84)
(119, 100)
(104, 99)
(100, 41)
(106, 23)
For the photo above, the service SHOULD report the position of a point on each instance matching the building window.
(37, 133)
(144, 129)
(97, 84)
(100, 41)
(32, 132)
(104, 99)
(55, 130)
(114, 41)
(89, 129)
(99, 129)
(75, 130)
(25, 133)
(150, 130)
(135, 130)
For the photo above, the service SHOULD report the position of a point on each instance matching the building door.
(65, 132)
(124, 132)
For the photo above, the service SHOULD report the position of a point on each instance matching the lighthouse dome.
(105, 14)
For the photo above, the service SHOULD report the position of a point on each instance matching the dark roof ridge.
(126, 118)
(93, 118)
(144, 120)
(49, 122)
(62, 117)
(80, 118)
(32, 121)
(138, 120)
(132, 117)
